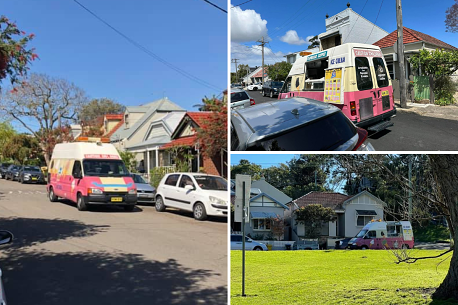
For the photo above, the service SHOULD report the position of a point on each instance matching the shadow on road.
(101, 208)
(190, 215)
(379, 134)
(33, 231)
(103, 278)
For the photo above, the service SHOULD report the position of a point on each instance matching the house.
(414, 41)
(256, 76)
(353, 213)
(266, 202)
(111, 123)
(185, 137)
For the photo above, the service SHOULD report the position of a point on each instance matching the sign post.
(243, 239)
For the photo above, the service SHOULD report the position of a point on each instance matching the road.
(107, 256)
(411, 132)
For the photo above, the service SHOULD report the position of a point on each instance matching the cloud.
(252, 55)
(247, 25)
(291, 37)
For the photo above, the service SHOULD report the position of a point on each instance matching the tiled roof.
(114, 116)
(259, 73)
(328, 200)
(199, 117)
(112, 131)
(410, 36)
(183, 141)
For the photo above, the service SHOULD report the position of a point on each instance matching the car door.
(169, 190)
(236, 242)
(184, 196)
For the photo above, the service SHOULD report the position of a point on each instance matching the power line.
(290, 19)
(375, 21)
(152, 54)
(241, 3)
(216, 6)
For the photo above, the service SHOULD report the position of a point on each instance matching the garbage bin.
(269, 247)
(288, 246)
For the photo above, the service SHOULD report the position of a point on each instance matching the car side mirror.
(189, 187)
(5, 237)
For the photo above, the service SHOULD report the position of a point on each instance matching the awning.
(366, 212)
(261, 215)
(329, 33)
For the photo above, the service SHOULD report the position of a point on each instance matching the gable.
(271, 191)
(156, 130)
(364, 198)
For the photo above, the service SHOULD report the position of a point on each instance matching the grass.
(335, 277)
(431, 233)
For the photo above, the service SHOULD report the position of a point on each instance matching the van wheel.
(405, 246)
(364, 247)
(80, 204)
(52, 197)
(160, 207)
(199, 211)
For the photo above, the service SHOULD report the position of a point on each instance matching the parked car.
(6, 237)
(236, 243)
(12, 173)
(342, 244)
(3, 168)
(145, 192)
(204, 195)
(254, 87)
(241, 99)
(271, 88)
(295, 124)
(233, 86)
(31, 174)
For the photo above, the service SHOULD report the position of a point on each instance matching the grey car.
(295, 124)
(12, 173)
(145, 192)
(240, 99)
(3, 168)
(31, 174)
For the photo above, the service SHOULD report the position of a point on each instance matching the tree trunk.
(445, 169)
(431, 89)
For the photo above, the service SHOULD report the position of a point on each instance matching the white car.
(204, 195)
(254, 87)
(236, 243)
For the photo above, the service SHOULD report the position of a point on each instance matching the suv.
(3, 168)
(204, 195)
(240, 99)
(271, 88)
(236, 243)
(295, 124)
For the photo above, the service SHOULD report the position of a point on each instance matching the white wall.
(363, 202)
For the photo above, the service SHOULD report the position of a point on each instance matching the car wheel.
(271, 94)
(160, 206)
(52, 197)
(257, 249)
(199, 211)
(255, 89)
(405, 246)
(80, 204)
(364, 247)
(129, 208)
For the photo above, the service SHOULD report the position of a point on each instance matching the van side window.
(371, 234)
(172, 180)
(380, 72)
(76, 172)
(363, 74)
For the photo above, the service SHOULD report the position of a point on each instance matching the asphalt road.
(411, 132)
(107, 256)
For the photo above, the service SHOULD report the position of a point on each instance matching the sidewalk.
(432, 246)
(442, 112)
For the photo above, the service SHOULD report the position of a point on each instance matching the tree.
(277, 226)
(451, 18)
(51, 103)
(279, 71)
(212, 134)
(15, 56)
(437, 64)
(96, 109)
(312, 217)
(314, 42)
(129, 160)
(242, 71)
(21, 147)
(245, 167)
(6, 133)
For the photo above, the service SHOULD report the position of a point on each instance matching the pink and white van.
(384, 235)
(353, 76)
(90, 172)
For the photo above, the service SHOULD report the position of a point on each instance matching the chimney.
(348, 4)
(327, 16)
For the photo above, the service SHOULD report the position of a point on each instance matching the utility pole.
(410, 188)
(400, 51)
(262, 43)
(235, 62)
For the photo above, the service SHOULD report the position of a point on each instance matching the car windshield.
(104, 168)
(15, 168)
(239, 96)
(327, 133)
(277, 84)
(361, 233)
(211, 183)
(138, 179)
(31, 169)
(5, 165)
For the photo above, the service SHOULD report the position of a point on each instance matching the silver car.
(5, 238)
(145, 192)
(240, 99)
(236, 243)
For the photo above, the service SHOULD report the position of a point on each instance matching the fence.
(421, 87)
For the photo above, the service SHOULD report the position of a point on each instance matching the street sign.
(238, 211)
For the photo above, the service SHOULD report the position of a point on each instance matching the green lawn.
(334, 277)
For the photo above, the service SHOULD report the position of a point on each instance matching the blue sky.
(307, 18)
(265, 160)
(73, 45)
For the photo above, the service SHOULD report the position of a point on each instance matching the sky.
(289, 24)
(265, 160)
(74, 45)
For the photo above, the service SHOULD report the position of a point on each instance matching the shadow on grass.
(103, 278)
(32, 231)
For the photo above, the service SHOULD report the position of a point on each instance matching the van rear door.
(366, 94)
(382, 82)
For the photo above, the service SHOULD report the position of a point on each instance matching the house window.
(390, 67)
(261, 224)
(363, 220)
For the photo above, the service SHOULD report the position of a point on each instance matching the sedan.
(145, 192)
(31, 174)
(236, 243)
(295, 124)
(255, 87)
(12, 173)
(3, 168)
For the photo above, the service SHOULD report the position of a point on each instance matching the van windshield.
(361, 233)
(104, 168)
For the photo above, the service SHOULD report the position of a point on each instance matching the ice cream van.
(352, 76)
(384, 235)
(90, 172)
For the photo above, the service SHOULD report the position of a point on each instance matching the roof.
(197, 117)
(183, 141)
(114, 116)
(326, 199)
(411, 36)
(82, 150)
(271, 191)
(116, 127)
(259, 73)
(271, 198)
